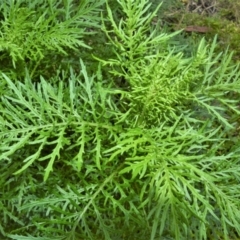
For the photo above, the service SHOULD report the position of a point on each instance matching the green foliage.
(50, 118)
(31, 32)
(141, 145)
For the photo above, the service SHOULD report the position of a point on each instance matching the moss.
(225, 23)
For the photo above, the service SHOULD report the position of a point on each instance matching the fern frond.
(52, 119)
(33, 30)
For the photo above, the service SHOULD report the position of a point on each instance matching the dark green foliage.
(139, 142)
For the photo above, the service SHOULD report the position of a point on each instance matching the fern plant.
(196, 95)
(56, 125)
(146, 147)
(32, 32)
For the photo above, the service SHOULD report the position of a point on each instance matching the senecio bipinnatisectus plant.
(145, 147)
